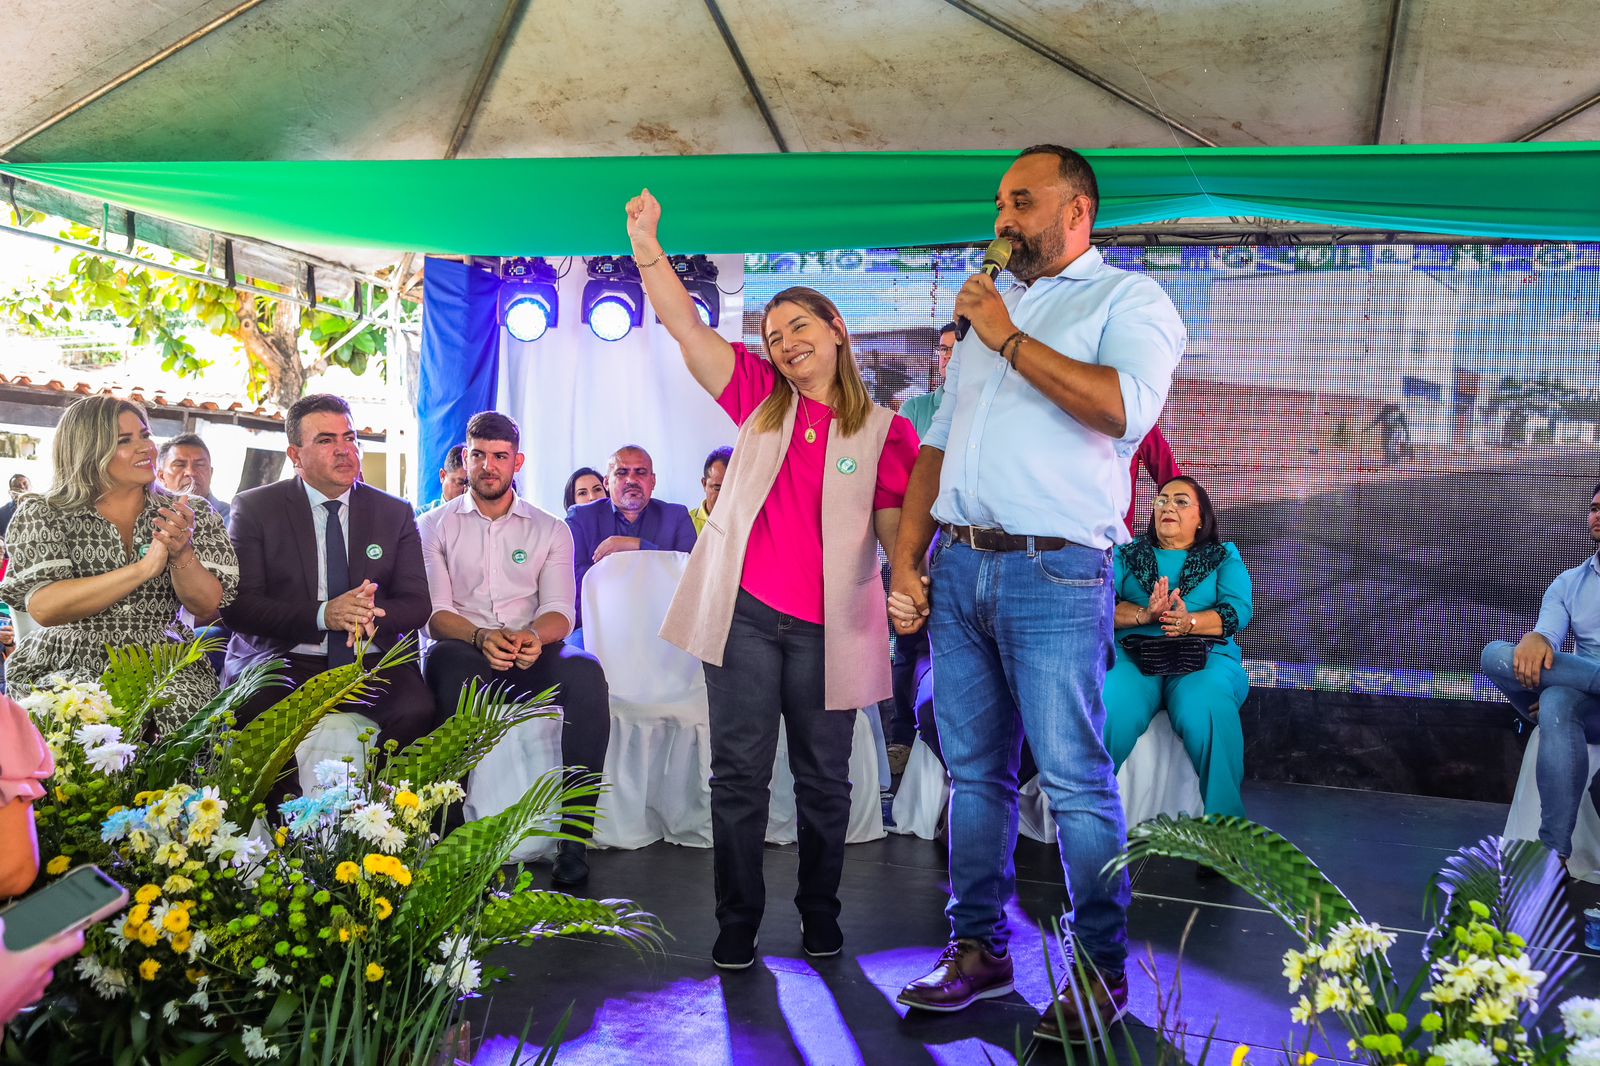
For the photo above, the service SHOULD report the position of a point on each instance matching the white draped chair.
(337, 736)
(1156, 779)
(658, 764)
(1522, 822)
(529, 751)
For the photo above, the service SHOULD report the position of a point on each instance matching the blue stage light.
(529, 301)
(699, 276)
(613, 299)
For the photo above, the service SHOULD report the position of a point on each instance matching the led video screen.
(1401, 439)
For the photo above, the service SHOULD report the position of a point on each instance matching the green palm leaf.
(523, 917)
(484, 715)
(136, 676)
(1253, 857)
(459, 867)
(1524, 886)
(177, 754)
(260, 750)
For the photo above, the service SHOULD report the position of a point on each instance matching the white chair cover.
(337, 736)
(866, 801)
(529, 751)
(22, 625)
(658, 764)
(1158, 778)
(1522, 822)
(924, 791)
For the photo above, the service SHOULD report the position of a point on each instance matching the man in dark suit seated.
(323, 561)
(628, 521)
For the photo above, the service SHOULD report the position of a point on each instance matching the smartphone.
(76, 900)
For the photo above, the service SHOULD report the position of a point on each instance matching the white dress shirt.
(1013, 460)
(499, 573)
(319, 523)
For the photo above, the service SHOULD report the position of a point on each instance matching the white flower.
(1581, 1017)
(110, 758)
(456, 947)
(1585, 1052)
(1465, 976)
(225, 839)
(256, 1046)
(210, 1020)
(170, 1011)
(1517, 977)
(369, 821)
(334, 773)
(92, 736)
(460, 971)
(201, 1000)
(197, 944)
(1464, 1053)
(107, 983)
(267, 977)
(248, 852)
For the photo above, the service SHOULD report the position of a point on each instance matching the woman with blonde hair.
(782, 599)
(108, 556)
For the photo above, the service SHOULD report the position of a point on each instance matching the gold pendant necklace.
(811, 432)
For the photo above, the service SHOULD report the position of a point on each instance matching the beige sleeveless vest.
(856, 629)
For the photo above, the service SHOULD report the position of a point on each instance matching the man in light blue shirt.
(1025, 471)
(919, 410)
(1561, 690)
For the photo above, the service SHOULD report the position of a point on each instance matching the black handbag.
(1168, 656)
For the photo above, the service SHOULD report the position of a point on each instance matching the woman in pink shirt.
(782, 599)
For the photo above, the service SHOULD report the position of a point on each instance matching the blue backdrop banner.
(460, 362)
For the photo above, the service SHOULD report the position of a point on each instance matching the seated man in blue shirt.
(1560, 689)
(628, 521)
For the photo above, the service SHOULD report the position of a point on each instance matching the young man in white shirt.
(501, 577)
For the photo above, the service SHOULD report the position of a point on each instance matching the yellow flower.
(375, 863)
(177, 920)
(208, 808)
(139, 915)
(177, 883)
(130, 930)
(344, 934)
(147, 894)
(348, 873)
(383, 907)
(1239, 1054)
(280, 836)
(405, 799)
(180, 941)
(401, 875)
(1306, 1058)
(374, 972)
(194, 975)
(149, 968)
(58, 865)
(149, 935)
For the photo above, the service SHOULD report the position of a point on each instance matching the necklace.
(811, 430)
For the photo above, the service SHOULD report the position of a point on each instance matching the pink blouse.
(783, 561)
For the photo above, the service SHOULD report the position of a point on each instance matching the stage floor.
(676, 1008)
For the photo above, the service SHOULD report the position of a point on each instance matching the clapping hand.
(175, 528)
(356, 613)
(1176, 621)
(1160, 599)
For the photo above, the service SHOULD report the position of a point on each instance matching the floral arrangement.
(341, 927)
(1496, 952)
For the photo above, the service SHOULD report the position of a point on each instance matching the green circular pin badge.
(374, 551)
(847, 465)
(519, 556)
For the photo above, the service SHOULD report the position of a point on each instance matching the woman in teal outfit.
(1179, 579)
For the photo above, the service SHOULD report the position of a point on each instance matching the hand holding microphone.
(979, 305)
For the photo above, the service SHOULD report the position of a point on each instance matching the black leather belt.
(998, 540)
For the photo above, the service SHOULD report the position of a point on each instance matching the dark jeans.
(402, 707)
(771, 670)
(581, 692)
(912, 669)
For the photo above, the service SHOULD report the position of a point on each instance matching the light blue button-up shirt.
(1015, 461)
(1572, 605)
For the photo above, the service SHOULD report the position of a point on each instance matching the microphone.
(995, 259)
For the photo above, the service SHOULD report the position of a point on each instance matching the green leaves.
(136, 677)
(1261, 862)
(526, 916)
(484, 715)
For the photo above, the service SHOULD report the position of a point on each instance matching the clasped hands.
(1167, 606)
(354, 613)
(172, 540)
(908, 600)
(505, 648)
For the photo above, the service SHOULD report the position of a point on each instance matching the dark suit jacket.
(276, 604)
(662, 527)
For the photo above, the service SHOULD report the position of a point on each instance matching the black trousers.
(913, 661)
(580, 684)
(402, 707)
(772, 670)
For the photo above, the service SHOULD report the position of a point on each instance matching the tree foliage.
(286, 345)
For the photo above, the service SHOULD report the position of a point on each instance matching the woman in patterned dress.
(108, 556)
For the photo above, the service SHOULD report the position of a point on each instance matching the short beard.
(488, 496)
(1037, 254)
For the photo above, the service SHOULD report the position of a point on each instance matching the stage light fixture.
(529, 302)
(699, 275)
(613, 299)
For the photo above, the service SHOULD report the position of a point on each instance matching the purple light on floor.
(682, 1022)
(818, 1029)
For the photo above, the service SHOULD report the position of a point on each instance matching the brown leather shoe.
(1106, 998)
(965, 973)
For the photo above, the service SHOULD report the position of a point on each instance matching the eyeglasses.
(944, 349)
(1182, 503)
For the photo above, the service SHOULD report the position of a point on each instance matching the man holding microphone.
(1025, 472)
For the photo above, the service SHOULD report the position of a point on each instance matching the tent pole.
(128, 75)
(400, 443)
(491, 62)
(1390, 61)
(1551, 123)
(744, 72)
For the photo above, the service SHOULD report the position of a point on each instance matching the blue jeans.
(1569, 721)
(1021, 644)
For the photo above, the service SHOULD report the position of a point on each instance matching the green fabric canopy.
(804, 202)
